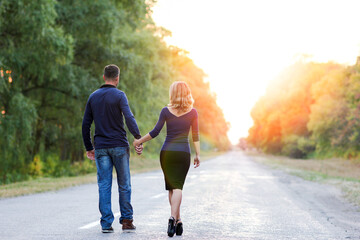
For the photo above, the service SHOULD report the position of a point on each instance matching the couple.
(106, 107)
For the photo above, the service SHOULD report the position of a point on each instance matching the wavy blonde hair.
(180, 96)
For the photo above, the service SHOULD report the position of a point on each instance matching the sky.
(243, 45)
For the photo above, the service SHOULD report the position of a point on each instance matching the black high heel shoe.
(171, 227)
(179, 227)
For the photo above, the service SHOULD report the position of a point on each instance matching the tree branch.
(24, 91)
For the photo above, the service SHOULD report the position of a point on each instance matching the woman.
(175, 152)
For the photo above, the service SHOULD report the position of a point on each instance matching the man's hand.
(91, 154)
(136, 143)
(139, 149)
(138, 146)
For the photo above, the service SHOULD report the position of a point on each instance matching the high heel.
(179, 227)
(171, 227)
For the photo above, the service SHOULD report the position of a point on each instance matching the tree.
(52, 57)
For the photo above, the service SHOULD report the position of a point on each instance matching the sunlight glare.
(243, 45)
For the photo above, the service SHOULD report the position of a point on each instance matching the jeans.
(105, 160)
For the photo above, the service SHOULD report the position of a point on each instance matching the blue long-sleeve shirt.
(177, 130)
(106, 107)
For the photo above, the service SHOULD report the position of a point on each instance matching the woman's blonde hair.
(180, 96)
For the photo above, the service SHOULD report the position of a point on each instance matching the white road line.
(159, 195)
(94, 224)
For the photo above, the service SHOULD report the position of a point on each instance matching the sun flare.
(243, 45)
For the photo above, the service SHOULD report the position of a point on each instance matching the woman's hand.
(136, 142)
(196, 161)
(138, 146)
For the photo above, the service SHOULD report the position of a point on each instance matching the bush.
(35, 167)
(50, 164)
(84, 167)
(306, 145)
(297, 147)
(53, 166)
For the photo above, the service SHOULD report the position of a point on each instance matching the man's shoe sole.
(107, 231)
(129, 230)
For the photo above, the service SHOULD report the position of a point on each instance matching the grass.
(344, 174)
(138, 164)
(43, 184)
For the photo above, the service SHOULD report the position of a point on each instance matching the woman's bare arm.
(140, 141)
(197, 152)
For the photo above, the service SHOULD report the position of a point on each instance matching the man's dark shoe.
(128, 226)
(108, 230)
(171, 227)
(179, 227)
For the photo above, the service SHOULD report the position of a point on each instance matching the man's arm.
(129, 117)
(86, 124)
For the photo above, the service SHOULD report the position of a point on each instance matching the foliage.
(212, 124)
(312, 109)
(51, 58)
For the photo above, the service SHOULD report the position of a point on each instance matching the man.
(106, 107)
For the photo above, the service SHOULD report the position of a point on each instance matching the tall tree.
(35, 58)
(51, 58)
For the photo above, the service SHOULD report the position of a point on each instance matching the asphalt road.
(228, 197)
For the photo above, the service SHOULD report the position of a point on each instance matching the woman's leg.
(170, 195)
(175, 203)
(178, 216)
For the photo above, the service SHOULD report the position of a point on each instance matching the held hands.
(138, 146)
(196, 161)
(139, 149)
(136, 142)
(91, 154)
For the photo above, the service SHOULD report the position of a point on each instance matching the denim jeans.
(105, 160)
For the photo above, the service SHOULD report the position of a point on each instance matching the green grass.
(137, 164)
(341, 173)
(44, 184)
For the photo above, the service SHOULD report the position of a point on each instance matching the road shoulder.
(343, 174)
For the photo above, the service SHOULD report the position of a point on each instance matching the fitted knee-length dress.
(175, 152)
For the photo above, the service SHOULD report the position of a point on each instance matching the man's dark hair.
(111, 71)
